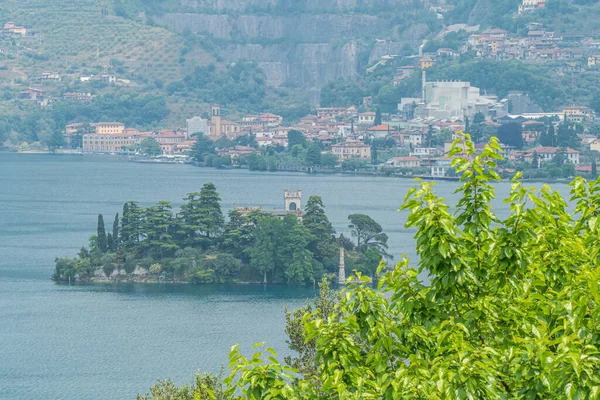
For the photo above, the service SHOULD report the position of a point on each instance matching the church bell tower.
(215, 117)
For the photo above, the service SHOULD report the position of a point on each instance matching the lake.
(112, 342)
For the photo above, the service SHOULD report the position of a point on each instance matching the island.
(198, 244)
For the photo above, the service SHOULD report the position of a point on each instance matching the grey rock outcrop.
(303, 43)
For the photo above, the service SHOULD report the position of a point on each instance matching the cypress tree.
(594, 170)
(101, 238)
(551, 135)
(535, 162)
(115, 233)
(373, 154)
(377, 121)
(124, 222)
(131, 224)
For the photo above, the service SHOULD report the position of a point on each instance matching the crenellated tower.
(292, 200)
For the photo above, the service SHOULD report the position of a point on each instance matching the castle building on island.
(292, 204)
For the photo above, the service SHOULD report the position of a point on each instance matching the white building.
(366, 118)
(424, 152)
(447, 100)
(439, 166)
(547, 154)
(531, 5)
(196, 125)
(403, 162)
(412, 138)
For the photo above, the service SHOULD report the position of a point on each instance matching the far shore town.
(414, 141)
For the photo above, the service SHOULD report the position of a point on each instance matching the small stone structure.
(292, 200)
(292, 204)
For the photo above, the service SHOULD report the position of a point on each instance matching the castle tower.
(215, 117)
(292, 200)
(342, 273)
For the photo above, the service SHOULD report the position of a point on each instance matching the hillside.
(75, 35)
(291, 48)
(178, 56)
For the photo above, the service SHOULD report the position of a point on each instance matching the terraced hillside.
(75, 34)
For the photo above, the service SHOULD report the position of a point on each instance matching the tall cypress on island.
(101, 235)
(115, 233)
(124, 222)
(594, 170)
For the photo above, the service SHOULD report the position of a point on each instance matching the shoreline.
(296, 171)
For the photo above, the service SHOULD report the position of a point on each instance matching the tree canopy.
(150, 147)
(511, 311)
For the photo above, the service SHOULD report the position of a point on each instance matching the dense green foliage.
(511, 311)
(198, 245)
(298, 155)
(243, 84)
(47, 125)
(150, 147)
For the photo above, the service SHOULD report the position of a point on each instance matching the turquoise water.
(112, 342)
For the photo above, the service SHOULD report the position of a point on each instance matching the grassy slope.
(77, 39)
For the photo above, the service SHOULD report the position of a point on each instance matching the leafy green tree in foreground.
(511, 311)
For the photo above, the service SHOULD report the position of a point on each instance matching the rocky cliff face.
(304, 28)
(304, 43)
(309, 6)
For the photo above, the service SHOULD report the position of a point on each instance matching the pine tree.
(292, 252)
(323, 243)
(159, 225)
(131, 224)
(263, 251)
(101, 235)
(238, 233)
(202, 217)
(115, 233)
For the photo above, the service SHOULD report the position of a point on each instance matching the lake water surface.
(112, 342)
